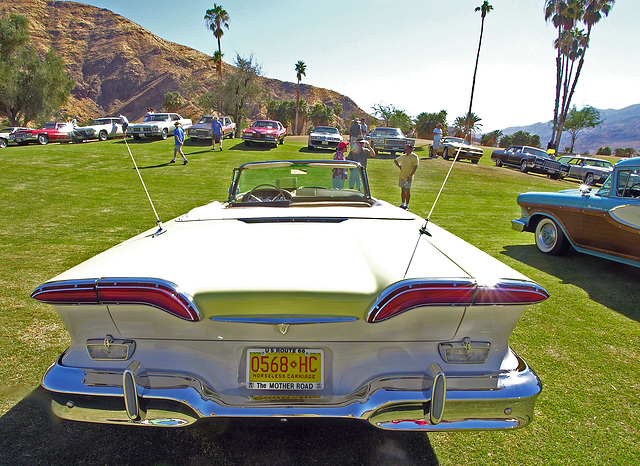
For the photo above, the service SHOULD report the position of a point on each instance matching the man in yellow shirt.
(407, 163)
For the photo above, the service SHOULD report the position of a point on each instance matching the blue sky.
(417, 55)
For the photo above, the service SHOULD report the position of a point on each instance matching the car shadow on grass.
(609, 283)
(30, 434)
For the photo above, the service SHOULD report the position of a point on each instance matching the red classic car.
(50, 132)
(265, 131)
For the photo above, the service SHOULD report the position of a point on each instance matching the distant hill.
(621, 128)
(119, 66)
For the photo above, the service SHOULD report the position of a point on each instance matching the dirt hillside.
(119, 66)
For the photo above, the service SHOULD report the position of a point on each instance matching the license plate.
(325, 143)
(200, 136)
(285, 369)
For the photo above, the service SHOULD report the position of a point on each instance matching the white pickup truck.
(202, 129)
(157, 125)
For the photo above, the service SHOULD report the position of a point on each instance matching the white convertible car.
(293, 299)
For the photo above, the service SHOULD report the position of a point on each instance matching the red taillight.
(67, 292)
(410, 294)
(152, 292)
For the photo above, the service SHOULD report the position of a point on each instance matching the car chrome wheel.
(523, 167)
(43, 139)
(550, 239)
(164, 133)
(102, 135)
(3, 143)
(498, 163)
(445, 153)
(588, 179)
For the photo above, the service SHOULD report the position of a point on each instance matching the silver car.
(587, 169)
(390, 140)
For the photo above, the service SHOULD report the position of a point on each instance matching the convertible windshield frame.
(297, 182)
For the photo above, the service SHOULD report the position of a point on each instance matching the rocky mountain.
(621, 128)
(119, 66)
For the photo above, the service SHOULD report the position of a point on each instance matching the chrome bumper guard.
(430, 401)
(518, 225)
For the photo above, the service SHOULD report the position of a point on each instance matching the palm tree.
(484, 9)
(215, 19)
(463, 126)
(571, 46)
(301, 70)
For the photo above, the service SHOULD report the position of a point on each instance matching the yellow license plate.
(285, 369)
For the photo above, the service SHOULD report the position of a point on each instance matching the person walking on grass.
(178, 135)
(216, 133)
(408, 164)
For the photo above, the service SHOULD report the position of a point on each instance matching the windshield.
(298, 182)
(387, 133)
(100, 122)
(326, 130)
(265, 124)
(207, 119)
(156, 118)
(458, 140)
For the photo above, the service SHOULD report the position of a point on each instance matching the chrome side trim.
(284, 319)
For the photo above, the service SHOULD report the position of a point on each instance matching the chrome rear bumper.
(400, 402)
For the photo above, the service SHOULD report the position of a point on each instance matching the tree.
(483, 9)
(578, 120)
(322, 115)
(215, 19)
(520, 138)
(241, 88)
(393, 117)
(301, 70)
(491, 139)
(425, 123)
(465, 125)
(571, 45)
(32, 86)
(172, 101)
(285, 111)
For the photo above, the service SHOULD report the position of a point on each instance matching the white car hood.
(210, 250)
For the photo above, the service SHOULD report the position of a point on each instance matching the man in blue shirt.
(178, 135)
(216, 133)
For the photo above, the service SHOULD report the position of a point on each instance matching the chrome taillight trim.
(410, 294)
(155, 292)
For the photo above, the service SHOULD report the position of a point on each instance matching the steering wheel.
(267, 193)
(634, 186)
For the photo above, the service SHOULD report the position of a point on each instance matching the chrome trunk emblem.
(283, 328)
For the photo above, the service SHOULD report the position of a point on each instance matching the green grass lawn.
(63, 203)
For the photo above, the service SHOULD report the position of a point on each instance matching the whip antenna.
(160, 227)
(423, 229)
